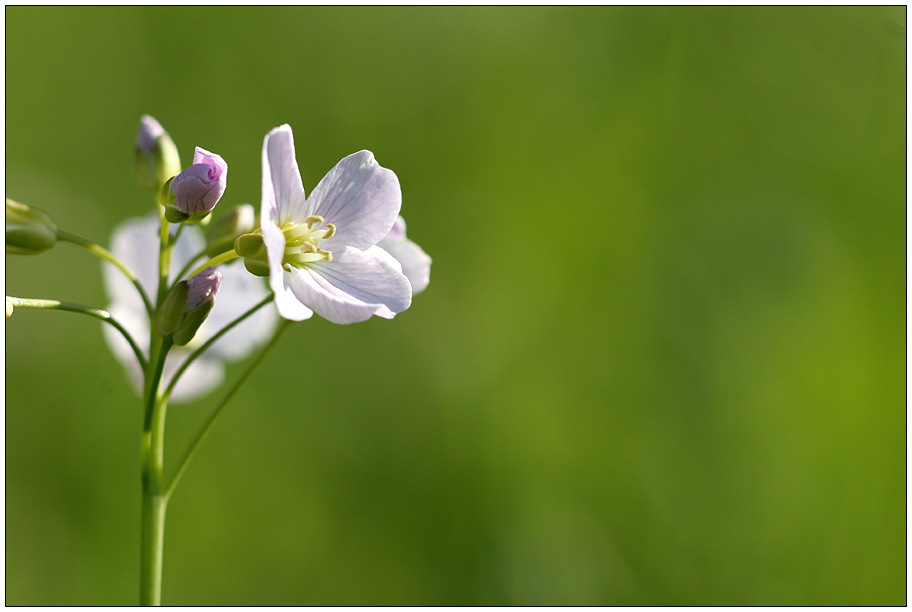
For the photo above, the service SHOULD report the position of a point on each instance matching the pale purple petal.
(360, 198)
(416, 264)
(199, 188)
(283, 191)
(203, 287)
(352, 287)
(150, 130)
(202, 156)
(398, 229)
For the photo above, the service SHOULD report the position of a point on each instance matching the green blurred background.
(661, 359)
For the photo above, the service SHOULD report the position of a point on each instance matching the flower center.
(302, 241)
(302, 245)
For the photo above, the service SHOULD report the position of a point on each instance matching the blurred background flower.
(661, 361)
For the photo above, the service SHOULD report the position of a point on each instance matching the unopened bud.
(222, 234)
(156, 157)
(29, 231)
(188, 305)
(198, 188)
(252, 248)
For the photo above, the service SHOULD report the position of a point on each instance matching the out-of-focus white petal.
(201, 377)
(136, 243)
(352, 288)
(360, 198)
(137, 323)
(240, 291)
(283, 191)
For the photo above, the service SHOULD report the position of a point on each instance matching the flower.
(416, 264)
(156, 156)
(135, 242)
(198, 188)
(320, 252)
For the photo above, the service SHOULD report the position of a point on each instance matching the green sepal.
(191, 323)
(171, 313)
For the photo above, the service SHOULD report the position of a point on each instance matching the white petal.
(352, 287)
(133, 242)
(416, 264)
(137, 323)
(136, 243)
(201, 377)
(283, 191)
(377, 252)
(360, 198)
(240, 291)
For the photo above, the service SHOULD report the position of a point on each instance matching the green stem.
(203, 431)
(154, 501)
(218, 259)
(183, 271)
(108, 256)
(92, 312)
(209, 343)
(164, 261)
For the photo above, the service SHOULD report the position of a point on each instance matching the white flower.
(136, 243)
(320, 252)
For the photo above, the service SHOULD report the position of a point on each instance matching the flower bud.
(198, 188)
(222, 234)
(188, 305)
(29, 231)
(156, 157)
(252, 248)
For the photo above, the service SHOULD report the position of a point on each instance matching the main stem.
(154, 500)
(152, 445)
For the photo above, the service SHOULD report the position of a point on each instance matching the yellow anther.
(313, 220)
(330, 229)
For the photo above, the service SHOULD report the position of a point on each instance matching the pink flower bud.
(198, 188)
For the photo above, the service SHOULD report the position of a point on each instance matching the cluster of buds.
(184, 196)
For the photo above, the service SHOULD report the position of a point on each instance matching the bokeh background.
(661, 359)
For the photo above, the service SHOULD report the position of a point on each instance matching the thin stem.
(209, 343)
(108, 256)
(218, 259)
(92, 312)
(183, 271)
(203, 431)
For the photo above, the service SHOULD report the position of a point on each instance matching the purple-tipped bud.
(157, 159)
(198, 188)
(203, 288)
(188, 305)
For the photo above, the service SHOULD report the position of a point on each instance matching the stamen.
(330, 229)
(313, 220)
